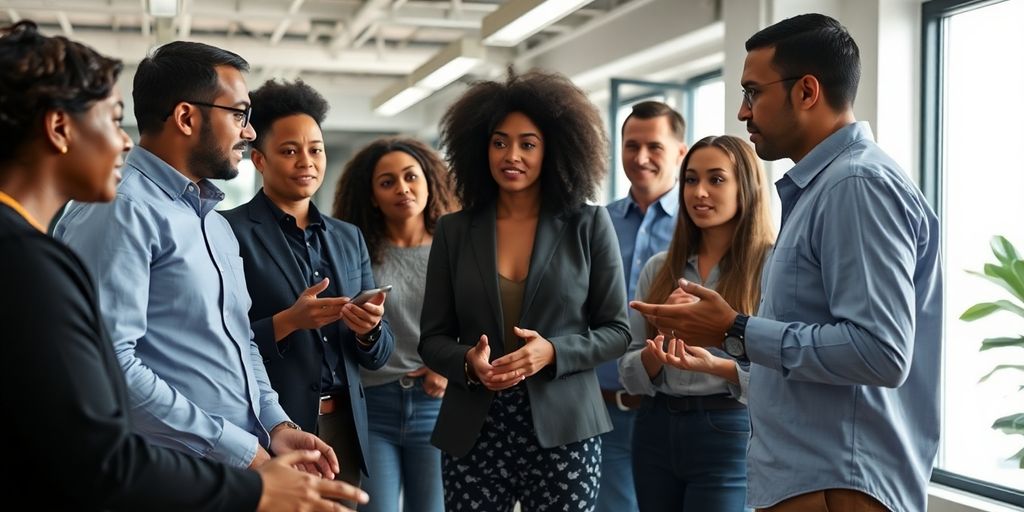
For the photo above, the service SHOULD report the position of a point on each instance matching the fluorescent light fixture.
(163, 8)
(449, 64)
(397, 99)
(446, 66)
(516, 20)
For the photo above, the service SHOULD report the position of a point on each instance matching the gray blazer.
(575, 297)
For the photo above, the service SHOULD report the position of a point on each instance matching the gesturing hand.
(286, 440)
(285, 489)
(536, 353)
(434, 383)
(702, 323)
(308, 311)
(361, 318)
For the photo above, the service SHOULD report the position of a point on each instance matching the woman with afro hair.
(524, 297)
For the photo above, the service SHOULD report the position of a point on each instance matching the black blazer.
(275, 281)
(65, 399)
(575, 297)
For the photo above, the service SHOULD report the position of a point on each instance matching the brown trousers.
(829, 500)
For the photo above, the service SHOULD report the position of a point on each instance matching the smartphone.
(366, 295)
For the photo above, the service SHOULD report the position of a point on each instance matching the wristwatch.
(371, 336)
(735, 343)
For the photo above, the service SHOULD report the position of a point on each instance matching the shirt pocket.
(778, 295)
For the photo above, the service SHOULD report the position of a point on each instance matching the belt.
(696, 403)
(331, 403)
(624, 401)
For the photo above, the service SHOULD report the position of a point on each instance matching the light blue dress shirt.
(641, 235)
(173, 295)
(846, 345)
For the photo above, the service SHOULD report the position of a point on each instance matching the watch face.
(734, 347)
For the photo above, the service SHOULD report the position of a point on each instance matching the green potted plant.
(1009, 274)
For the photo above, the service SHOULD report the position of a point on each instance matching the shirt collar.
(827, 150)
(169, 179)
(668, 203)
(316, 220)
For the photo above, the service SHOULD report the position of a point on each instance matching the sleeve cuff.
(764, 342)
(633, 376)
(739, 391)
(272, 415)
(235, 447)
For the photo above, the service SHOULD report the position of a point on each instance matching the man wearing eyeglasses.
(845, 347)
(170, 278)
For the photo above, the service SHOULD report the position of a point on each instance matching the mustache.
(242, 146)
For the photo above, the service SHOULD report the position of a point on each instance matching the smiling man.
(653, 148)
(170, 279)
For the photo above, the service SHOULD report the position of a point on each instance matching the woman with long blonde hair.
(695, 409)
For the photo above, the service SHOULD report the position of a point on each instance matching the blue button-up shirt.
(844, 385)
(172, 290)
(641, 235)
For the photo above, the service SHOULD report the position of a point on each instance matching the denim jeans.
(690, 461)
(617, 493)
(401, 460)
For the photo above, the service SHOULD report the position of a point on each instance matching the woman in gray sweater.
(394, 190)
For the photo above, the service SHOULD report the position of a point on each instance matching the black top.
(309, 249)
(65, 406)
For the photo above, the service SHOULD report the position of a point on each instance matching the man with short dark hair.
(845, 347)
(168, 271)
(653, 146)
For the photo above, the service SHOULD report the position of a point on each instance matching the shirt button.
(316, 274)
(325, 339)
(308, 244)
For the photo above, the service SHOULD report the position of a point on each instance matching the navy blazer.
(575, 297)
(275, 281)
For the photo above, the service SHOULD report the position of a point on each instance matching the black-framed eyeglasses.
(749, 94)
(246, 112)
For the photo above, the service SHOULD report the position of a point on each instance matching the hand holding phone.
(366, 295)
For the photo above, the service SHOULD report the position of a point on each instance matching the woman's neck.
(28, 187)
(411, 232)
(298, 209)
(714, 243)
(519, 205)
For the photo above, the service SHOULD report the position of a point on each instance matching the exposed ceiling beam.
(367, 14)
(185, 19)
(11, 13)
(282, 27)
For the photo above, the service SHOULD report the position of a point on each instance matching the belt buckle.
(406, 382)
(320, 408)
(618, 401)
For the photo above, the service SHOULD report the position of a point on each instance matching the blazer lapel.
(339, 261)
(269, 234)
(483, 239)
(545, 241)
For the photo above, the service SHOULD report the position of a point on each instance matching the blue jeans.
(401, 460)
(690, 461)
(617, 493)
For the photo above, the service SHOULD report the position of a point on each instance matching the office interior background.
(941, 86)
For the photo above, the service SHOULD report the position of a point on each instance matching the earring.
(64, 150)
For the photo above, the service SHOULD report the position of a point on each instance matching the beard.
(210, 161)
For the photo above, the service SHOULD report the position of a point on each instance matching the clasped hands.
(513, 368)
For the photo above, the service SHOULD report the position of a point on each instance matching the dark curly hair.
(43, 73)
(354, 195)
(575, 145)
(274, 100)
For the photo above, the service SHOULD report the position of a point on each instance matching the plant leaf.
(990, 343)
(984, 309)
(1005, 251)
(1012, 424)
(1019, 367)
(1006, 277)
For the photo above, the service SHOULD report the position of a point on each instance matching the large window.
(974, 174)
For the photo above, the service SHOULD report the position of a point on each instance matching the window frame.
(616, 100)
(934, 14)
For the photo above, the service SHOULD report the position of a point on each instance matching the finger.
(503, 386)
(697, 290)
(341, 490)
(508, 358)
(377, 300)
(329, 456)
(526, 334)
(419, 372)
(317, 288)
(298, 457)
(354, 323)
(372, 309)
(330, 302)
